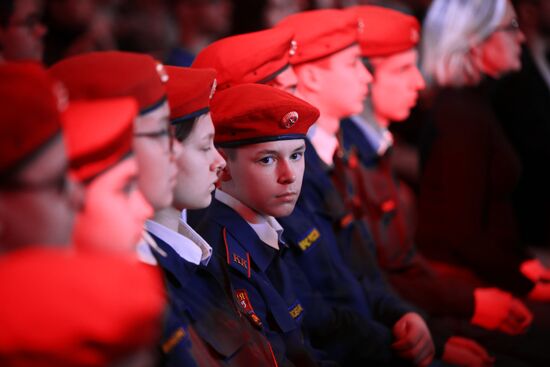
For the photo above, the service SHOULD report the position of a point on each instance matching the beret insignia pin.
(293, 47)
(61, 95)
(289, 119)
(162, 73)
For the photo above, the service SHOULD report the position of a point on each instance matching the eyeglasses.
(60, 184)
(511, 27)
(160, 134)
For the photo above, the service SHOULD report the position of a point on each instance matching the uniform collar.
(325, 144)
(265, 226)
(380, 138)
(242, 232)
(171, 227)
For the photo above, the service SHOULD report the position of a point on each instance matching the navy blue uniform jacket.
(205, 320)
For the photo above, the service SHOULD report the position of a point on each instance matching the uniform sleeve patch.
(176, 337)
(246, 306)
(296, 310)
(309, 239)
(236, 256)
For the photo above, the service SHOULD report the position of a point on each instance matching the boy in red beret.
(124, 74)
(260, 131)
(332, 77)
(38, 201)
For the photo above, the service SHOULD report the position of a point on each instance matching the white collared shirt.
(265, 226)
(325, 144)
(171, 227)
(379, 137)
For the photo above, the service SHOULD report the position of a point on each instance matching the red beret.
(189, 91)
(99, 135)
(386, 31)
(111, 74)
(30, 106)
(255, 113)
(256, 57)
(321, 33)
(61, 308)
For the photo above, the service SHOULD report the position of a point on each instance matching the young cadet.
(38, 201)
(101, 158)
(260, 57)
(125, 74)
(261, 131)
(332, 77)
(196, 282)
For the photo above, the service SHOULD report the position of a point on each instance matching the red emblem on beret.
(293, 47)
(289, 119)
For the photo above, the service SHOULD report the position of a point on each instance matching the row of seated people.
(266, 219)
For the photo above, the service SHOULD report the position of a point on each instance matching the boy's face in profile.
(267, 177)
(396, 84)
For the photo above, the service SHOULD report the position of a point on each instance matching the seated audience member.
(101, 158)
(220, 330)
(124, 74)
(38, 202)
(199, 23)
(257, 126)
(21, 30)
(60, 307)
(522, 104)
(466, 217)
(332, 77)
